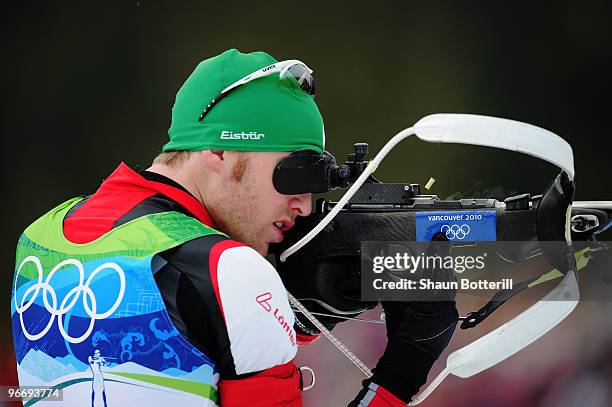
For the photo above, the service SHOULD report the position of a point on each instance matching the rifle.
(329, 240)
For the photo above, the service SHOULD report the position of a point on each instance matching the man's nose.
(302, 204)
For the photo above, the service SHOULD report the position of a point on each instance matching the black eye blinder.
(303, 172)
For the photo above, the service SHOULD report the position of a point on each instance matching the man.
(98, 398)
(162, 271)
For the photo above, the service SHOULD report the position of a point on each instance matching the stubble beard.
(236, 222)
(235, 210)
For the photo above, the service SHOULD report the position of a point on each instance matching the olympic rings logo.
(455, 231)
(69, 301)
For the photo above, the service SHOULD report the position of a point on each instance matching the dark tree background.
(90, 84)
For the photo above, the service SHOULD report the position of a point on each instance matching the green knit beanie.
(266, 114)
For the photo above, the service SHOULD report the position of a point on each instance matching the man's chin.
(257, 245)
(261, 248)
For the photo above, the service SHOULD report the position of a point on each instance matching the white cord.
(371, 321)
(346, 351)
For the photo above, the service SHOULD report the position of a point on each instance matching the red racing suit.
(220, 294)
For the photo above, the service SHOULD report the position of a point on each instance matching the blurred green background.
(90, 84)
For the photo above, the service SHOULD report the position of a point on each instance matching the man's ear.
(214, 159)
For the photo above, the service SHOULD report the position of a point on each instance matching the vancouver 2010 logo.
(50, 300)
(455, 231)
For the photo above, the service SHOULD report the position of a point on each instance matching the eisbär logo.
(264, 300)
(251, 135)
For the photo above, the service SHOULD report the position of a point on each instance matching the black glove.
(417, 333)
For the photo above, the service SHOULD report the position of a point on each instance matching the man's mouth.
(284, 226)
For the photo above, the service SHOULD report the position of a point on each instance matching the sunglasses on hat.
(290, 68)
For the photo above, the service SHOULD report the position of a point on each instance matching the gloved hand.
(417, 333)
